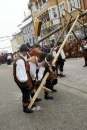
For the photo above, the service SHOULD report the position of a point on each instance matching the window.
(44, 1)
(29, 40)
(37, 5)
(54, 12)
(61, 8)
(49, 13)
(78, 4)
(75, 3)
(40, 2)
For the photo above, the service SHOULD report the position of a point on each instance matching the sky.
(11, 14)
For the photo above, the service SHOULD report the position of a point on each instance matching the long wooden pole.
(72, 31)
(59, 37)
(47, 74)
(51, 33)
(38, 90)
(56, 57)
(78, 9)
(81, 15)
(75, 37)
(77, 20)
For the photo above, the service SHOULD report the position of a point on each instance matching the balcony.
(50, 24)
(41, 8)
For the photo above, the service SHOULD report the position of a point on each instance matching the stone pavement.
(76, 74)
(67, 111)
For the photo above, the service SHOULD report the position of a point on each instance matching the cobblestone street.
(75, 72)
(67, 111)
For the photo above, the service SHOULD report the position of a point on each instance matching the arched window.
(40, 2)
(37, 6)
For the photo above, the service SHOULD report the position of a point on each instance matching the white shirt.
(21, 71)
(54, 53)
(9, 57)
(32, 70)
(62, 54)
(85, 46)
(41, 72)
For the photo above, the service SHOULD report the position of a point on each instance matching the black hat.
(42, 55)
(23, 47)
(28, 45)
(49, 57)
(59, 43)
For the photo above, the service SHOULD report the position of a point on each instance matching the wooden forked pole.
(59, 37)
(47, 74)
(56, 57)
(72, 32)
(60, 27)
(51, 33)
(78, 9)
(38, 90)
(75, 37)
(77, 20)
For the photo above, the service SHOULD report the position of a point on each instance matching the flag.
(37, 28)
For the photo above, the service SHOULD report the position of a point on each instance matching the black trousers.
(9, 62)
(60, 62)
(25, 94)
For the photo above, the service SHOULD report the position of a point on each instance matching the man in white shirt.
(61, 60)
(9, 59)
(36, 71)
(21, 77)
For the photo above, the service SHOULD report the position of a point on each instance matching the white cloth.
(9, 57)
(80, 49)
(21, 71)
(85, 46)
(62, 54)
(41, 72)
(54, 53)
(32, 70)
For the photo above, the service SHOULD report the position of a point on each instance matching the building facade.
(52, 13)
(48, 12)
(28, 33)
(24, 34)
(64, 16)
(17, 40)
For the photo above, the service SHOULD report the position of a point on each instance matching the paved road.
(76, 74)
(67, 111)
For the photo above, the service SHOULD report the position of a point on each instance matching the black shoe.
(53, 90)
(61, 75)
(47, 96)
(84, 65)
(38, 100)
(34, 105)
(58, 74)
(27, 110)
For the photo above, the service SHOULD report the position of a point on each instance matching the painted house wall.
(28, 33)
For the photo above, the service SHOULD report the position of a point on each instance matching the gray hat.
(23, 47)
(49, 57)
(37, 45)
